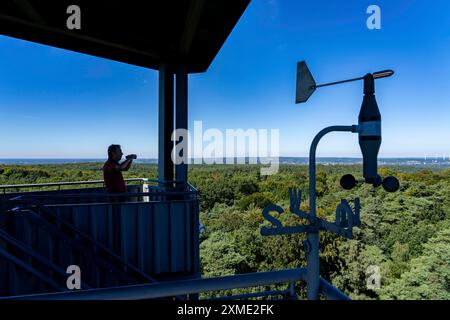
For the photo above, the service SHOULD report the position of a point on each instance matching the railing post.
(292, 291)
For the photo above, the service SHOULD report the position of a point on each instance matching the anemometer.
(368, 128)
(346, 217)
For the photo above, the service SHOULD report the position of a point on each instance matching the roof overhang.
(142, 33)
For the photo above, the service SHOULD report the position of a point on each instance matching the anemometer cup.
(390, 183)
(348, 182)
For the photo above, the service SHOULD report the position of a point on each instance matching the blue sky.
(60, 104)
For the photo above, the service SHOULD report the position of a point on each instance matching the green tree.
(429, 275)
(355, 259)
(220, 256)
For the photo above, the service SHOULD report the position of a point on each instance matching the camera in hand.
(131, 156)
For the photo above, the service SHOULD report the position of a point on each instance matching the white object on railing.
(145, 189)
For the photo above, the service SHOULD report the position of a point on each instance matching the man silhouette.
(112, 169)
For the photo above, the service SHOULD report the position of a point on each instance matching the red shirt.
(112, 175)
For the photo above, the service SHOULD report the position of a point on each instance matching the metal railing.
(17, 187)
(52, 223)
(178, 288)
(61, 215)
(184, 287)
(195, 286)
(150, 196)
(143, 181)
(147, 190)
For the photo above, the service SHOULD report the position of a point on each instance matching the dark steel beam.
(330, 292)
(30, 11)
(181, 170)
(165, 126)
(190, 26)
(69, 36)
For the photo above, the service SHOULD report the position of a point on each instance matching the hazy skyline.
(60, 104)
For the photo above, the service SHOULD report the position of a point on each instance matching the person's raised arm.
(124, 166)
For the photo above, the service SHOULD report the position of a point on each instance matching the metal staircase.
(42, 245)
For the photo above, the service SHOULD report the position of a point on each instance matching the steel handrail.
(108, 195)
(70, 183)
(62, 183)
(175, 288)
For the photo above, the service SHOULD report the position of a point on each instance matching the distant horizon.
(413, 162)
(152, 158)
(284, 157)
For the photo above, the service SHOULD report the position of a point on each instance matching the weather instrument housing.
(368, 128)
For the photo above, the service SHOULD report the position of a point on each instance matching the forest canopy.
(406, 233)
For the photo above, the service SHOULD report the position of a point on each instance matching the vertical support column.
(312, 237)
(165, 123)
(181, 170)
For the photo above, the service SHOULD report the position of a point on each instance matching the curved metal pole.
(312, 258)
